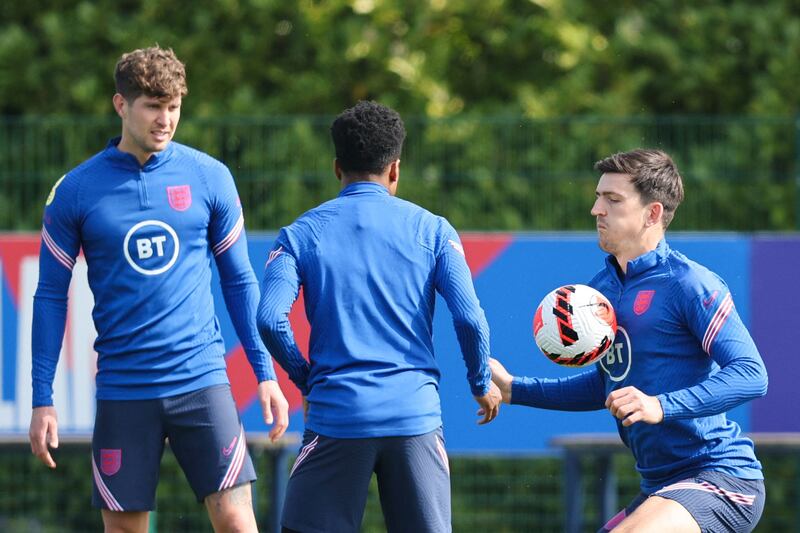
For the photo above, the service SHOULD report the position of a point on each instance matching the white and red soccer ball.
(574, 325)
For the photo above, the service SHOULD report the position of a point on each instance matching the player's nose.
(596, 208)
(162, 118)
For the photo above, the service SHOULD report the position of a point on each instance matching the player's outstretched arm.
(631, 405)
(489, 404)
(274, 407)
(579, 392)
(502, 378)
(43, 433)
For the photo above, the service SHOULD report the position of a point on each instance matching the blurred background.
(507, 103)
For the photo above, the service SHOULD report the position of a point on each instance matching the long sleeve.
(581, 392)
(742, 375)
(240, 290)
(279, 290)
(454, 282)
(239, 284)
(59, 248)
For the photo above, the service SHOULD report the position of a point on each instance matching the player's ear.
(655, 213)
(337, 170)
(119, 104)
(394, 176)
(394, 171)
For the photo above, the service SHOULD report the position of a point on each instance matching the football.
(574, 325)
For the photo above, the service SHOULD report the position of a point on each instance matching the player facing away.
(681, 359)
(150, 215)
(369, 265)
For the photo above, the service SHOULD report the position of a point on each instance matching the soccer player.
(150, 214)
(369, 265)
(682, 358)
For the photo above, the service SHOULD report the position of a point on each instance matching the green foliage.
(500, 494)
(484, 86)
(533, 58)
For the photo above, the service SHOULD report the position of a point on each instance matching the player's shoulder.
(90, 168)
(425, 221)
(691, 277)
(414, 209)
(437, 233)
(86, 172)
(309, 225)
(321, 212)
(202, 161)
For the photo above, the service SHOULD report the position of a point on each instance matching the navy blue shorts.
(330, 479)
(718, 502)
(204, 432)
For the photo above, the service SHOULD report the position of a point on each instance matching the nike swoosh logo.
(227, 451)
(458, 247)
(710, 300)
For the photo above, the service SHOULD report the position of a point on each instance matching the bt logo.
(617, 361)
(151, 247)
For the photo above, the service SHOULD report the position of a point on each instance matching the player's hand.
(502, 378)
(305, 409)
(490, 404)
(43, 433)
(274, 407)
(631, 405)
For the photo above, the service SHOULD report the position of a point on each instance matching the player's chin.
(159, 142)
(603, 242)
(160, 146)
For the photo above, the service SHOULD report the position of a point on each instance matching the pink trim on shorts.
(705, 486)
(614, 522)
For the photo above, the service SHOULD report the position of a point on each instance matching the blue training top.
(680, 339)
(369, 265)
(148, 233)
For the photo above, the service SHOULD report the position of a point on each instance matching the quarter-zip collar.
(127, 160)
(364, 187)
(640, 265)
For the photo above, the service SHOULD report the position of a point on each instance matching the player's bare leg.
(231, 510)
(659, 515)
(125, 521)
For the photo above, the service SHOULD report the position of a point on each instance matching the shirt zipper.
(144, 199)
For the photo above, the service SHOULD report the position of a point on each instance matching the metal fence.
(487, 173)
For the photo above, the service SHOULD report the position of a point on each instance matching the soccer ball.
(574, 325)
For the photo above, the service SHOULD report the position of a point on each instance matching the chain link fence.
(482, 173)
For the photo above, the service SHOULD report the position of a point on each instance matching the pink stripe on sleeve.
(231, 238)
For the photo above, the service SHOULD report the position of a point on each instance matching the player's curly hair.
(367, 137)
(654, 175)
(150, 71)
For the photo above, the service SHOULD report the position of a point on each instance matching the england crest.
(110, 460)
(642, 302)
(180, 197)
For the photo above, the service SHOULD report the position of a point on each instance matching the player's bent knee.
(231, 510)
(125, 521)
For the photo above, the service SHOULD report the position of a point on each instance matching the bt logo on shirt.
(151, 247)
(617, 362)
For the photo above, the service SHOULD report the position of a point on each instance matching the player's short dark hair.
(150, 71)
(367, 137)
(654, 175)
